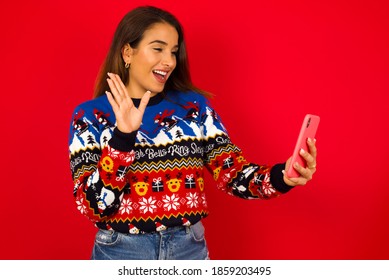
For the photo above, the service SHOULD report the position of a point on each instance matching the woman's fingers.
(128, 117)
(115, 93)
(306, 173)
(119, 92)
(298, 181)
(310, 160)
(120, 85)
(312, 147)
(117, 87)
(112, 101)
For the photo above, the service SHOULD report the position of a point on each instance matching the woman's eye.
(158, 49)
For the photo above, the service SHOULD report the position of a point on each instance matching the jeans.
(176, 243)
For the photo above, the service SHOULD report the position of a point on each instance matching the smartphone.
(308, 130)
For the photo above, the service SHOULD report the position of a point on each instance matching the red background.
(268, 63)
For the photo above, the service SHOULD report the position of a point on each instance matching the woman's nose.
(168, 60)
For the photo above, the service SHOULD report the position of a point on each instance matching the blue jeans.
(176, 243)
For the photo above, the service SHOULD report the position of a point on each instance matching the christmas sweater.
(153, 178)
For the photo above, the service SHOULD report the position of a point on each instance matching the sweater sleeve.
(232, 172)
(100, 156)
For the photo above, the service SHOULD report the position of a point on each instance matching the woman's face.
(153, 61)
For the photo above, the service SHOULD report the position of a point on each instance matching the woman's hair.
(130, 31)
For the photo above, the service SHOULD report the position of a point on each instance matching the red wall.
(268, 63)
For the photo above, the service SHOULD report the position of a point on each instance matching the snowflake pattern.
(147, 205)
(80, 205)
(192, 200)
(125, 206)
(127, 157)
(268, 189)
(113, 153)
(267, 186)
(171, 202)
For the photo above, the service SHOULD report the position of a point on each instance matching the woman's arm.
(238, 177)
(99, 164)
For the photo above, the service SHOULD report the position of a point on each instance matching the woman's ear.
(127, 53)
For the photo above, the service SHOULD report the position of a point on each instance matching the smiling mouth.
(160, 75)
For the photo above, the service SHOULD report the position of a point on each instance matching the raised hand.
(128, 117)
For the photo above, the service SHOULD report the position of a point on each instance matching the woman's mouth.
(160, 75)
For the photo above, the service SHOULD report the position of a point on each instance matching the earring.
(126, 65)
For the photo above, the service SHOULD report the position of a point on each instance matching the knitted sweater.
(153, 178)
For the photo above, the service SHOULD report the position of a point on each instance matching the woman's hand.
(305, 173)
(128, 117)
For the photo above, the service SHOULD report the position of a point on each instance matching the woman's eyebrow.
(161, 42)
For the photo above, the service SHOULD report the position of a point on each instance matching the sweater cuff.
(121, 141)
(277, 178)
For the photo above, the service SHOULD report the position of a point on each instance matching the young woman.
(139, 149)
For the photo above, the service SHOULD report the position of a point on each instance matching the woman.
(139, 148)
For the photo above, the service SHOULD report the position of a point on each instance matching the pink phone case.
(308, 130)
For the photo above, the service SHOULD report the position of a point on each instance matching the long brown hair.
(130, 30)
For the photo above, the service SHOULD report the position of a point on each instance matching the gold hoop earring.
(127, 65)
